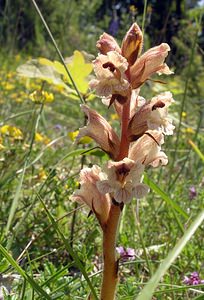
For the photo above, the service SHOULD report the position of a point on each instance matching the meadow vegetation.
(50, 246)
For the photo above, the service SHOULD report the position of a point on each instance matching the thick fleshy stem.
(124, 142)
(110, 271)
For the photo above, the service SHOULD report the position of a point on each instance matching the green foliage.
(73, 25)
(42, 233)
(55, 73)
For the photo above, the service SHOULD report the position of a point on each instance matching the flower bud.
(107, 43)
(132, 44)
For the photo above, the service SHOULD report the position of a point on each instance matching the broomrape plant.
(120, 73)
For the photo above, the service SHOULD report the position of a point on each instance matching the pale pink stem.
(110, 270)
(124, 142)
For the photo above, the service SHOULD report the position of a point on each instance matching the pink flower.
(194, 279)
(90, 195)
(107, 43)
(152, 115)
(122, 180)
(125, 254)
(147, 149)
(192, 192)
(110, 72)
(158, 118)
(152, 61)
(101, 131)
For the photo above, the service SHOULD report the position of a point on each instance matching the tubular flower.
(110, 72)
(147, 149)
(149, 63)
(107, 43)
(101, 131)
(123, 180)
(152, 115)
(90, 195)
(158, 118)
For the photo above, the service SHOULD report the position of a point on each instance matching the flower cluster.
(120, 73)
(40, 97)
(194, 279)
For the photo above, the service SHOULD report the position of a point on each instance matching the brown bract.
(132, 44)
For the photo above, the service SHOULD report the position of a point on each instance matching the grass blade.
(69, 248)
(164, 196)
(15, 200)
(196, 149)
(149, 289)
(14, 264)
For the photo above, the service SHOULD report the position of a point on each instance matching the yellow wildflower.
(42, 175)
(41, 97)
(190, 130)
(114, 117)
(184, 114)
(41, 138)
(38, 137)
(9, 86)
(83, 140)
(73, 134)
(12, 131)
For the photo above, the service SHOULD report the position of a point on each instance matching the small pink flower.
(192, 192)
(147, 149)
(125, 254)
(107, 43)
(152, 61)
(194, 279)
(122, 180)
(101, 131)
(110, 72)
(89, 194)
(152, 115)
